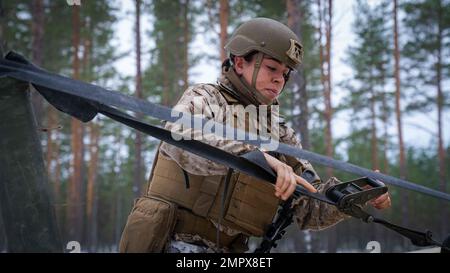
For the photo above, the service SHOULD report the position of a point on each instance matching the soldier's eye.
(271, 68)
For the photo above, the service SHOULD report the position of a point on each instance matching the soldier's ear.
(239, 65)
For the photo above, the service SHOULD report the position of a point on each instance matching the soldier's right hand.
(287, 180)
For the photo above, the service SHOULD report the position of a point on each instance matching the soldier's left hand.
(287, 180)
(381, 202)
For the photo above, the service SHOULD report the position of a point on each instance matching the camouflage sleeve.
(202, 101)
(310, 213)
(314, 214)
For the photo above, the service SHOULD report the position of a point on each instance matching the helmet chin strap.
(258, 62)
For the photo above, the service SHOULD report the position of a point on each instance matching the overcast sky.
(342, 38)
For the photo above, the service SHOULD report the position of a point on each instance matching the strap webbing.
(416, 237)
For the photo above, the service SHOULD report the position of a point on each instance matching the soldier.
(183, 210)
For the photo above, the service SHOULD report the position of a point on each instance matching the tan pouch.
(253, 204)
(149, 226)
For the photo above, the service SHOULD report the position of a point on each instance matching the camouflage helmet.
(268, 36)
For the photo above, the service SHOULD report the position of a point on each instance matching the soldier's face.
(270, 78)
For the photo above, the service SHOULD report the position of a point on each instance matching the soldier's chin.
(270, 94)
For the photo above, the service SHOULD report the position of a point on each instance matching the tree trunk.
(25, 199)
(440, 104)
(384, 117)
(37, 30)
(373, 132)
(325, 71)
(326, 76)
(138, 165)
(321, 53)
(328, 104)
(298, 83)
(92, 170)
(398, 95)
(223, 15)
(74, 213)
(91, 200)
(404, 195)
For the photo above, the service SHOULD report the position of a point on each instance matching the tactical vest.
(249, 207)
